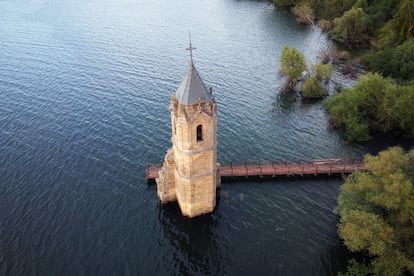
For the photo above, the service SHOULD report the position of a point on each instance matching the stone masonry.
(189, 172)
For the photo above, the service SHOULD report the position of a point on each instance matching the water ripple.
(84, 95)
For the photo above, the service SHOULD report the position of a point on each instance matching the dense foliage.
(292, 64)
(352, 29)
(384, 27)
(377, 214)
(304, 13)
(313, 89)
(323, 71)
(401, 26)
(373, 104)
(397, 62)
(376, 208)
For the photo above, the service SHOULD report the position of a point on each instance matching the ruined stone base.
(218, 177)
(195, 196)
(166, 180)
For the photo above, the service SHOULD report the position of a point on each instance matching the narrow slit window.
(199, 133)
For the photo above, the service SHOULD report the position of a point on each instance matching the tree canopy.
(401, 26)
(397, 62)
(313, 89)
(353, 28)
(304, 13)
(292, 63)
(384, 26)
(373, 104)
(377, 214)
(323, 71)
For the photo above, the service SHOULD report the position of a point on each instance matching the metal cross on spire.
(191, 48)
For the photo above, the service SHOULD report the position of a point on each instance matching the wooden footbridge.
(278, 168)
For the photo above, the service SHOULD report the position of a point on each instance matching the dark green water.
(84, 94)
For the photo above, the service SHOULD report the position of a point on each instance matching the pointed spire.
(192, 89)
(191, 48)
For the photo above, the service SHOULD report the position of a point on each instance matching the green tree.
(325, 9)
(402, 62)
(397, 62)
(373, 104)
(377, 214)
(356, 109)
(323, 71)
(313, 89)
(381, 11)
(396, 111)
(352, 29)
(304, 13)
(292, 64)
(401, 26)
(324, 24)
(380, 61)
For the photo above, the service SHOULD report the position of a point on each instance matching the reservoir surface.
(84, 95)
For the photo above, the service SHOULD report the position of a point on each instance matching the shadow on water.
(194, 240)
(289, 100)
(381, 141)
(285, 101)
(336, 259)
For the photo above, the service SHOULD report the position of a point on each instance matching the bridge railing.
(280, 167)
(315, 162)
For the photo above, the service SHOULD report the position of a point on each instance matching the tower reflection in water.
(194, 242)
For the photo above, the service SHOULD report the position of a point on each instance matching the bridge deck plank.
(258, 170)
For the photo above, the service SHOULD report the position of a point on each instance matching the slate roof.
(192, 88)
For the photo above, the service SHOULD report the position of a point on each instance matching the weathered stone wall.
(166, 180)
(195, 160)
(196, 196)
(189, 173)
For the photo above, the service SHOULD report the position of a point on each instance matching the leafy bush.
(304, 13)
(401, 26)
(324, 24)
(373, 104)
(323, 71)
(313, 89)
(377, 211)
(402, 61)
(397, 62)
(380, 61)
(292, 63)
(352, 29)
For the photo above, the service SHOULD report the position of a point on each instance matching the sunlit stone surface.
(189, 172)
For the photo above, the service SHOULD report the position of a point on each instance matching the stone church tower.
(189, 172)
